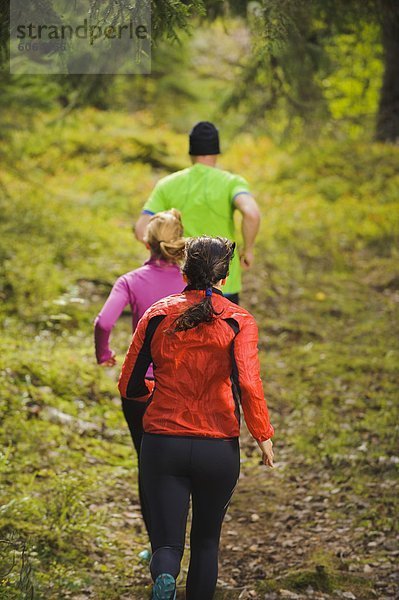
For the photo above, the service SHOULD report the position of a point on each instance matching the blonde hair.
(164, 235)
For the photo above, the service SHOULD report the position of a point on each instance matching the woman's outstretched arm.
(250, 385)
(107, 317)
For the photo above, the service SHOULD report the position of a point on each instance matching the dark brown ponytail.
(207, 261)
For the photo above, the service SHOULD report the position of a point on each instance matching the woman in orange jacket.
(204, 351)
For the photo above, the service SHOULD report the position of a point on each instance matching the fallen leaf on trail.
(367, 569)
(288, 594)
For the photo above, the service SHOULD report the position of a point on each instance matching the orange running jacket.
(201, 375)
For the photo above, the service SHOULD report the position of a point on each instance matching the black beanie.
(204, 139)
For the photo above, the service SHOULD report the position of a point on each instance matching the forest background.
(305, 94)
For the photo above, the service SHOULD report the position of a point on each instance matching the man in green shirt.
(207, 198)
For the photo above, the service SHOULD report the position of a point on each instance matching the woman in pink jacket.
(160, 276)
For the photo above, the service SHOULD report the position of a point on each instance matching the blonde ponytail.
(164, 235)
(172, 251)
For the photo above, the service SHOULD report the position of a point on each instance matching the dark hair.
(207, 261)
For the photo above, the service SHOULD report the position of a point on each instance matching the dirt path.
(293, 533)
(295, 528)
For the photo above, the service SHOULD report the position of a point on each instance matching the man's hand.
(247, 258)
(267, 453)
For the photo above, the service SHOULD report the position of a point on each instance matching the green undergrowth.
(324, 291)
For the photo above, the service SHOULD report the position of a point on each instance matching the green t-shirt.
(205, 197)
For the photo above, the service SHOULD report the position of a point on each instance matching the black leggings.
(173, 468)
(134, 413)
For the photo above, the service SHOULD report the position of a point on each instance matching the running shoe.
(164, 587)
(145, 556)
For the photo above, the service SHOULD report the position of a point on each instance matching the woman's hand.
(267, 453)
(111, 362)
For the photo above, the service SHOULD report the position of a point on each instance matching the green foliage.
(309, 71)
(59, 423)
(314, 68)
(352, 86)
(59, 228)
(16, 580)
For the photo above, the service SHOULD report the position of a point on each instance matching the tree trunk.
(388, 111)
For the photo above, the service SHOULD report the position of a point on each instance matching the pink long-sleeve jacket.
(139, 289)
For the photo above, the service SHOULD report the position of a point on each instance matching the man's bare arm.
(247, 206)
(141, 225)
